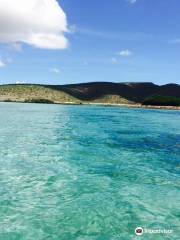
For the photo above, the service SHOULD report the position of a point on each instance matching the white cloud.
(2, 64)
(85, 62)
(20, 82)
(17, 47)
(177, 40)
(114, 60)
(41, 23)
(132, 1)
(125, 53)
(55, 70)
(72, 29)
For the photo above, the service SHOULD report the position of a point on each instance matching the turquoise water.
(85, 173)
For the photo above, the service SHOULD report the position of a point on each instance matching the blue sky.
(117, 40)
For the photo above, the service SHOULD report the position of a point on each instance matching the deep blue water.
(86, 173)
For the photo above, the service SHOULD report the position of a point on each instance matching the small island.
(146, 95)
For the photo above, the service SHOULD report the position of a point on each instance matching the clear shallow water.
(85, 173)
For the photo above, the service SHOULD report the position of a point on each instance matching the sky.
(67, 41)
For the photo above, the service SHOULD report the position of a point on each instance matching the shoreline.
(133, 106)
(136, 106)
(127, 105)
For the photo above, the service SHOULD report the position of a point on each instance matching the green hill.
(33, 93)
(162, 100)
(97, 92)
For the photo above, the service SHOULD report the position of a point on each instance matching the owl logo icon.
(139, 231)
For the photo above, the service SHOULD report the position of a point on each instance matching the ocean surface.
(88, 172)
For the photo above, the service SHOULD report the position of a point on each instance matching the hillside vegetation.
(33, 93)
(162, 100)
(97, 92)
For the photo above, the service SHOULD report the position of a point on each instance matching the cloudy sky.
(71, 41)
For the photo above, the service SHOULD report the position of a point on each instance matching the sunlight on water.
(85, 173)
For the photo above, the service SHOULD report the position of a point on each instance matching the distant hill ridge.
(102, 92)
